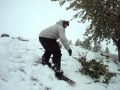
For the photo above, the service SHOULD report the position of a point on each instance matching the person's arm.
(64, 41)
(63, 38)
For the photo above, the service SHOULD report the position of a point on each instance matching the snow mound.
(19, 72)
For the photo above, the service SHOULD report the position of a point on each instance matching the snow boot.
(59, 74)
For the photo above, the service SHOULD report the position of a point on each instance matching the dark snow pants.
(51, 48)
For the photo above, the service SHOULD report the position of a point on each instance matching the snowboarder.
(48, 38)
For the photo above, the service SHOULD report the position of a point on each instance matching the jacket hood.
(60, 22)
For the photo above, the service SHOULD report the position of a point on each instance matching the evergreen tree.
(97, 47)
(107, 50)
(86, 44)
(77, 43)
(70, 42)
(103, 14)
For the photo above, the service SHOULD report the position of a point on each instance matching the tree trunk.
(118, 45)
(118, 50)
(119, 54)
(117, 42)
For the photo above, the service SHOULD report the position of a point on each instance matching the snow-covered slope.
(18, 70)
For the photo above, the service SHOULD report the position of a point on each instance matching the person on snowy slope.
(48, 38)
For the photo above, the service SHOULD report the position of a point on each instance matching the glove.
(70, 52)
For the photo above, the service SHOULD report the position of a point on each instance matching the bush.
(22, 39)
(5, 35)
(96, 70)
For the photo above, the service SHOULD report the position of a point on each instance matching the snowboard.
(63, 77)
(66, 79)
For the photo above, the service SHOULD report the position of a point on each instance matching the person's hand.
(70, 52)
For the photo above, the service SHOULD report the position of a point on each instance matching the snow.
(18, 70)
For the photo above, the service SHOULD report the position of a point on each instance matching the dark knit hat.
(65, 22)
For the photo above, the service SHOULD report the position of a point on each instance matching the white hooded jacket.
(56, 31)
